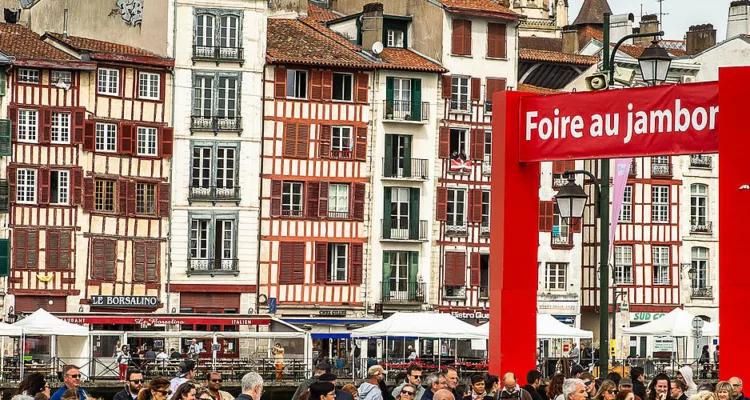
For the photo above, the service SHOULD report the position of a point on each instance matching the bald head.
(509, 382)
(736, 386)
(443, 394)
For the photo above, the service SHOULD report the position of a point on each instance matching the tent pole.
(23, 350)
(440, 353)
(404, 348)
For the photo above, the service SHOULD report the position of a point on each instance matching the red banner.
(663, 120)
(162, 320)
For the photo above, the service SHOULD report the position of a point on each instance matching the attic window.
(395, 38)
(28, 75)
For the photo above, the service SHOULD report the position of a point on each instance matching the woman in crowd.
(724, 391)
(157, 389)
(607, 391)
(202, 393)
(351, 389)
(626, 395)
(408, 392)
(478, 389)
(186, 391)
(554, 389)
(32, 384)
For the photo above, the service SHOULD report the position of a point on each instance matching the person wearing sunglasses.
(407, 392)
(413, 377)
(133, 385)
(214, 383)
(204, 393)
(157, 389)
(608, 391)
(71, 380)
(340, 394)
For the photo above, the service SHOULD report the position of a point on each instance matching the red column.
(515, 237)
(734, 219)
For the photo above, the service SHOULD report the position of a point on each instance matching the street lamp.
(571, 199)
(692, 274)
(654, 62)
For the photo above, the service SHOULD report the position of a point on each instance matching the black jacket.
(342, 395)
(124, 394)
(534, 393)
(243, 396)
(638, 389)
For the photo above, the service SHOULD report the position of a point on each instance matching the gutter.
(171, 162)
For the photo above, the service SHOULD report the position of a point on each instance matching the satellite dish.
(377, 48)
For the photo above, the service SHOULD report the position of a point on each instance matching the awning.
(164, 319)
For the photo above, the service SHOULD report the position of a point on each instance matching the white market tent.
(676, 323)
(711, 329)
(421, 325)
(548, 327)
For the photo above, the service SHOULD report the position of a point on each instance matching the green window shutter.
(386, 213)
(416, 99)
(407, 156)
(414, 213)
(4, 257)
(388, 164)
(5, 134)
(2, 81)
(386, 287)
(389, 97)
(4, 196)
(413, 272)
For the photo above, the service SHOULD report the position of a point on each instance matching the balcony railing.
(404, 229)
(456, 227)
(558, 181)
(216, 124)
(214, 193)
(292, 213)
(562, 240)
(403, 292)
(400, 110)
(484, 229)
(460, 106)
(661, 169)
(701, 161)
(698, 225)
(416, 168)
(487, 165)
(338, 214)
(703, 292)
(484, 292)
(212, 266)
(341, 154)
(218, 53)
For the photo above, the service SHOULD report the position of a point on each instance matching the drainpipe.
(171, 162)
(260, 185)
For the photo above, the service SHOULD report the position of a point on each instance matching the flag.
(622, 170)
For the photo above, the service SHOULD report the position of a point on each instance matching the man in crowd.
(574, 354)
(590, 382)
(162, 357)
(133, 385)
(194, 350)
(214, 383)
(340, 394)
(174, 355)
(320, 369)
(625, 384)
(574, 389)
(639, 389)
(737, 393)
(511, 390)
(492, 384)
(71, 380)
(435, 382)
(413, 376)
(186, 373)
(370, 390)
(252, 387)
(533, 381)
(677, 391)
(444, 394)
(150, 354)
(451, 379)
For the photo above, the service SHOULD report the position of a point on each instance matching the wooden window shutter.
(363, 86)
(327, 85)
(6, 134)
(65, 248)
(279, 79)
(323, 200)
(460, 269)
(321, 262)
(474, 272)
(139, 262)
(569, 165)
(152, 262)
(360, 145)
(494, 85)
(276, 189)
(546, 215)
(77, 184)
(286, 263)
(476, 89)
(558, 167)
(359, 202)
(449, 279)
(167, 142)
(122, 193)
(303, 139)
(89, 135)
(43, 179)
(46, 125)
(32, 249)
(324, 141)
(11, 172)
(442, 204)
(313, 191)
(476, 205)
(444, 150)
(575, 226)
(3, 82)
(13, 117)
(357, 250)
(88, 194)
(4, 196)
(316, 84)
(4, 257)
(447, 86)
(127, 138)
(110, 260)
(467, 38)
(97, 266)
(290, 140)
(53, 249)
(299, 263)
(79, 120)
(164, 196)
(477, 144)
(496, 40)
(131, 200)
(20, 248)
(457, 37)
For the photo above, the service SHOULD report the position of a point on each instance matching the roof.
(592, 12)
(540, 43)
(556, 57)
(319, 14)
(20, 42)
(522, 87)
(482, 8)
(404, 59)
(636, 51)
(102, 50)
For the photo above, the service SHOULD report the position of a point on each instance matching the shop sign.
(645, 316)
(332, 313)
(149, 320)
(468, 314)
(570, 306)
(125, 301)
(569, 320)
(663, 343)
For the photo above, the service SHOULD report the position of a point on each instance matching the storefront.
(35, 347)
(331, 336)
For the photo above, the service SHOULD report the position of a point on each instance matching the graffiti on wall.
(131, 11)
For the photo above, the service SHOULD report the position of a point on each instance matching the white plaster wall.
(734, 52)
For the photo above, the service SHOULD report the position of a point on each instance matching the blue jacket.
(82, 393)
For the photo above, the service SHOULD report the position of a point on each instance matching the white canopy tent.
(421, 325)
(548, 327)
(711, 329)
(676, 323)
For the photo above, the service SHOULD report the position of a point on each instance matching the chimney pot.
(570, 39)
(699, 38)
(372, 24)
(649, 24)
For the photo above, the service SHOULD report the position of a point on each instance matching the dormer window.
(395, 38)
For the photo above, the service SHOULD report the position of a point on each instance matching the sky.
(679, 15)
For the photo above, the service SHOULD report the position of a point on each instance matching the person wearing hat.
(187, 372)
(370, 390)
(340, 394)
(625, 384)
(320, 369)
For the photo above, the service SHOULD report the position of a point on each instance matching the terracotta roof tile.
(405, 59)
(556, 56)
(540, 43)
(81, 43)
(486, 8)
(636, 51)
(319, 14)
(522, 87)
(20, 42)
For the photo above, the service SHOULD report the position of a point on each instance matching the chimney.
(620, 26)
(699, 38)
(372, 25)
(570, 39)
(649, 24)
(65, 23)
(739, 18)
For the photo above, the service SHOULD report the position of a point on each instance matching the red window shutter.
(276, 188)
(20, 247)
(88, 194)
(442, 204)
(447, 86)
(496, 40)
(357, 250)
(359, 202)
(477, 144)
(316, 85)
(43, 179)
(546, 215)
(167, 142)
(280, 82)
(89, 135)
(98, 255)
(476, 205)
(164, 195)
(127, 140)
(122, 192)
(467, 38)
(290, 140)
(13, 117)
(363, 86)
(53, 249)
(77, 186)
(449, 276)
(327, 85)
(457, 37)
(460, 269)
(313, 190)
(558, 167)
(286, 262)
(360, 145)
(494, 85)
(321, 262)
(324, 141)
(569, 165)
(299, 263)
(476, 89)
(11, 173)
(46, 124)
(474, 273)
(303, 139)
(323, 200)
(575, 226)
(79, 119)
(110, 260)
(139, 261)
(444, 150)
(65, 247)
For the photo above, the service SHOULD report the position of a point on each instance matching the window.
(699, 262)
(106, 137)
(456, 207)
(343, 86)
(626, 212)
(460, 94)
(337, 262)
(296, 84)
(496, 40)
(26, 182)
(204, 30)
(104, 195)
(488, 147)
(199, 239)
(461, 37)
(229, 31)
(27, 126)
(145, 198)
(62, 76)
(213, 243)
(147, 141)
(218, 34)
(554, 276)
(148, 86)
(291, 199)
(338, 200)
(60, 128)
(398, 279)
(58, 249)
(59, 186)
(203, 96)
(660, 166)
(660, 261)
(225, 167)
(109, 81)
(623, 264)
(560, 229)
(145, 262)
(458, 144)
(28, 75)
(395, 38)
(341, 142)
(214, 171)
(660, 203)
(227, 97)
(104, 253)
(201, 171)
(698, 205)
(485, 207)
(402, 98)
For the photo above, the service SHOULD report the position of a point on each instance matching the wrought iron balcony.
(403, 229)
(706, 292)
(218, 53)
(403, 292)
(214, 193)
(661, 170)
(700, 225)
(293, 213)
(212, 266)
(558, 181)
(341, 154)
(410, 111)
(338, 214)
(484, 229)
(417, 168)
(216, 123)
(701, 161)
(456, 227)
